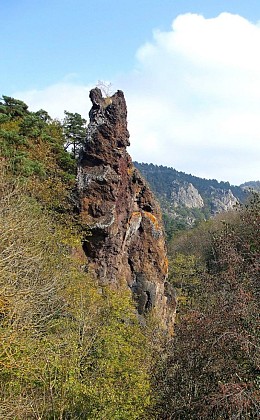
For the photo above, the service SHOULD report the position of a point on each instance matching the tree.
(67, 350)
(13, 107)
(32, 147)
(211, 367)
(74, 129)
(43, 115)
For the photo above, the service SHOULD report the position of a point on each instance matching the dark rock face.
(127, 244)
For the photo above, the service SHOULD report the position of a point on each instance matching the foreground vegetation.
(211, 369)
(72, 350)
(68, 349)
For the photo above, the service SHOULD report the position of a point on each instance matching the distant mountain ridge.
(187, 199)
(251, 185)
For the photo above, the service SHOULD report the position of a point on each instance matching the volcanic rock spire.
(127, 243)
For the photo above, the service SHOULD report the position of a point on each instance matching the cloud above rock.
(57, 98)
(193, 98)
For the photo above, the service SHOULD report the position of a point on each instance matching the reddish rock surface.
(127, 243)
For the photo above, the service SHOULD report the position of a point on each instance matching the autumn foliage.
(71, 349)
(211, 367)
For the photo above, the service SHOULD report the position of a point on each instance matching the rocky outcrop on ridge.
(127, 244)
(186, 195)
(251, 186)
(222, 200)
(187, 199)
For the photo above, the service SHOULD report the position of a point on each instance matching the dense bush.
(68, 350)
(32, 147)
(210, 369)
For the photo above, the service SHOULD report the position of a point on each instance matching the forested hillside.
(186, 199)
(212, 366)
(251, 185)
(66, 349)
(73, 349)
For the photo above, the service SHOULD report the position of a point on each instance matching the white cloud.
(196, 95)
(57, 98)
(193, 98)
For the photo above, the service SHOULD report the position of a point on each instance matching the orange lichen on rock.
(165, 265)
(130, 170)
(152, 219)
(136, 214)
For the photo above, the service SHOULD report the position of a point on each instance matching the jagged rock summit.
(127, 243)
(186, 195)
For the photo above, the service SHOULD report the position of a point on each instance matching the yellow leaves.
(117, 369)
(4, 306)
(68, 349)
(11, 125)
(184, 274)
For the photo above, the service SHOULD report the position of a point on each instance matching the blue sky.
(189, 70)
